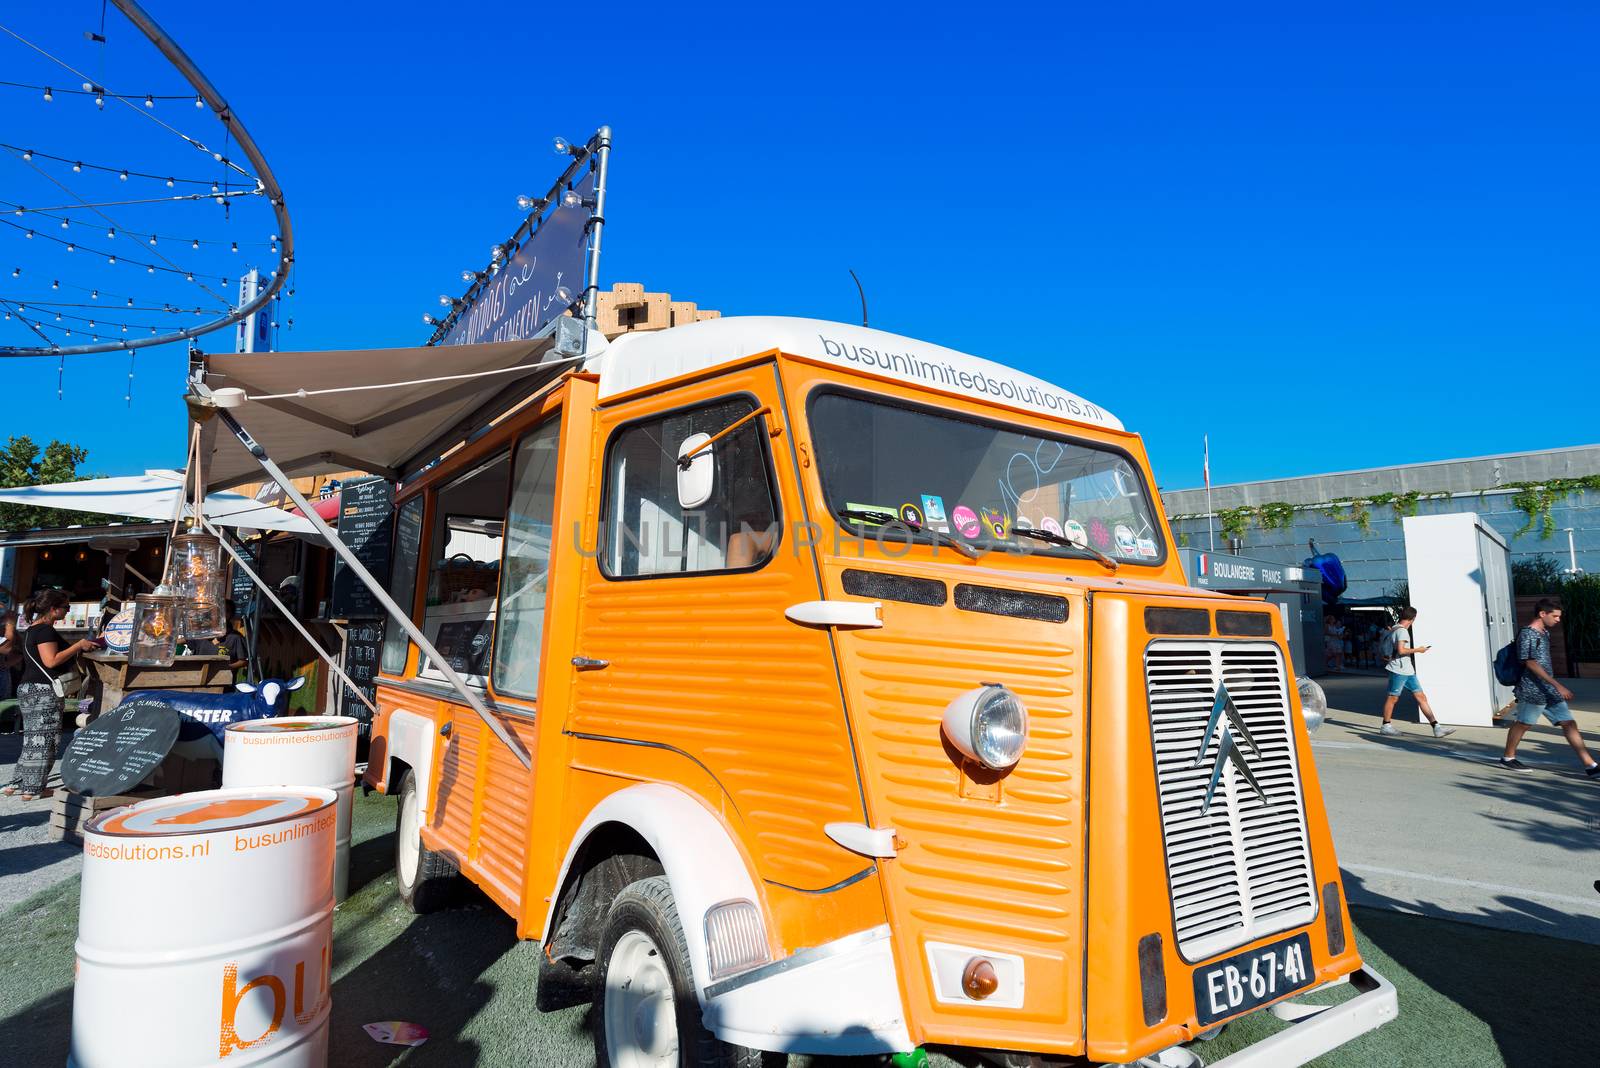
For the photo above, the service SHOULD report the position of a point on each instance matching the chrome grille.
(1241, 869)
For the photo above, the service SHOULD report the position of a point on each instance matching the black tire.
(436, 880)
(646, 907)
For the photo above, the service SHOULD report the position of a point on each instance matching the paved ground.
(1435, 827)
(29, 861)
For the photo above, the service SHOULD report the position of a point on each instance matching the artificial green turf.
(1469, 996)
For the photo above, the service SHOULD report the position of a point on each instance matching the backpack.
(1507, 666)
(1388, 646)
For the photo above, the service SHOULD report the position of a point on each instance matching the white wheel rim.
(409, 845)
(641, 1019)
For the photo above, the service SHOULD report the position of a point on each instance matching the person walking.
(1538, 692)
(1333, 641)
(46, 656)
(1399, 657)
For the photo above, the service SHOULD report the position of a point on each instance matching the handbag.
(62, 688)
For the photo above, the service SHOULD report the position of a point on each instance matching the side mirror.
(1313, 702)
(694, 481)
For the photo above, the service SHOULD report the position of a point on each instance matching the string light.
(149, 101)
(79, 165)
(47, 95)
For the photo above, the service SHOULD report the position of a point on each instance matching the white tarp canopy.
(359, 410)
(154, 495)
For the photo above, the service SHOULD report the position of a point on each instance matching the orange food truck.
(865, 707)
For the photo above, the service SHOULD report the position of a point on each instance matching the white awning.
(153, 495)
(367, 410)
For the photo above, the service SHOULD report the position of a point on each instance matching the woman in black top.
(45, 655)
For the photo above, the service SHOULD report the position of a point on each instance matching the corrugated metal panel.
(988, 861)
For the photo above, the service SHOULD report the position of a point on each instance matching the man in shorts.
(1400, 661)
(1538, 692)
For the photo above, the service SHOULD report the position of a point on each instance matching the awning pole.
(238, 558)
(355, 565)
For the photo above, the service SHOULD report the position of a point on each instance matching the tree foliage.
(23, 463)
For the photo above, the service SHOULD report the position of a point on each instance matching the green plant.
(1537, 574)
(1400, 592)
(1535, 499)
(1234, 520)
(22, 463)
(1580, 617)
(1274, 515)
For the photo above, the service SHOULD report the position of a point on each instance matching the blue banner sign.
(523, 296)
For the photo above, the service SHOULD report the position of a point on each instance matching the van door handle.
(444, 731)
(584, 663)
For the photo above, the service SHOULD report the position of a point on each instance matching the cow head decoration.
(273, 691)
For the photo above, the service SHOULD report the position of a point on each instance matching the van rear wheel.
(426, 879)
(648, 1012)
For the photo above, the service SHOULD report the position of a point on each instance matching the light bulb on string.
(199, 103)
(190, 276)
(235, 247)
(99, 100)
(169, 183)
(196, 242)
(16, 272)
(152, 239)
(123, 176)
(149, 101)
(30, 235)
(77, 168)
(111, 232)
(73, 248)
(215, 188)
(55, 284)
(149, 270)
(48, 96)
(27, 154)
(64, 224)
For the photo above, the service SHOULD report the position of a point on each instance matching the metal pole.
(591, 271)
(238, 558)
(395, 612)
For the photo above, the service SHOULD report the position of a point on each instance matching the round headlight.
(1313, 702)
(988, 724)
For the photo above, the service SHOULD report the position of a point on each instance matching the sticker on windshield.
(1125, 541)
(911, 515)
(994, 521)
(1072, 530)
(1022, 522)
(966, 521)
(933, 509)
(1147, 546)
(1099, 534)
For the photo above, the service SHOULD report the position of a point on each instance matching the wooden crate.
(70, 811)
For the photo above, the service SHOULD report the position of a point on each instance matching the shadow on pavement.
(1529, 990)
(430, 973)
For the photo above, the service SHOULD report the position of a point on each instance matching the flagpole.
(1211, 516)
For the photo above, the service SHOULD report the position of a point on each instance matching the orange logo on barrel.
(221, 810)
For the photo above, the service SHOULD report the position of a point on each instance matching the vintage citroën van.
(866, 708)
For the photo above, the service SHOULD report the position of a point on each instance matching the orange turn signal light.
(978, 979)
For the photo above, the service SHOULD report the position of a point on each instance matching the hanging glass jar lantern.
(155, 629)
(196, 577)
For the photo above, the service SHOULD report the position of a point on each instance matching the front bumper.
(1318, 1029)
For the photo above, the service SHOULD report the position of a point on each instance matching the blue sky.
(1330, 238)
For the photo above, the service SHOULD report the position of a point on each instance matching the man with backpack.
(1399, 657)
(1538, 692)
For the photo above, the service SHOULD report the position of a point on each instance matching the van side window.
(403, 582)
(468, 528)
(719, 515)
(525, 574)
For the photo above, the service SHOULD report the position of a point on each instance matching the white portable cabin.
(1460, 578)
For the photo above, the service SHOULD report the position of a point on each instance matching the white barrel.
(205, 931)
(299, 751)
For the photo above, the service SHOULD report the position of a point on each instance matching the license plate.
(1245, 980)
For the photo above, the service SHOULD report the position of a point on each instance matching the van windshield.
(979, 481)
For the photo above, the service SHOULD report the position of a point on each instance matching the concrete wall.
(1376, 561)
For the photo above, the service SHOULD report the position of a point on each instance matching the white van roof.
(642, 359)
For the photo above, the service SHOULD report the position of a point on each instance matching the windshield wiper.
(871, 515)
(1065, 543)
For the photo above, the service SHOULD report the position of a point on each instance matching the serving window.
(468, 532)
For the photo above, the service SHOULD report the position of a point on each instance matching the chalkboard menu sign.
(363, 644)
(119, 750)
(464, 644)
(366, 524)
(241, 590)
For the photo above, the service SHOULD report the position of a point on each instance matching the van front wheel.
(424, 878)
(649, 1014)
